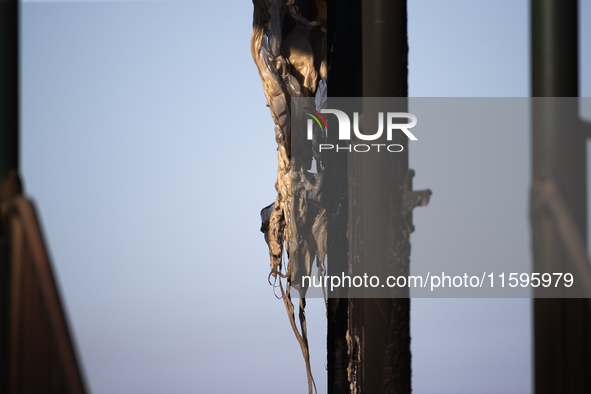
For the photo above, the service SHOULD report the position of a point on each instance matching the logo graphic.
(315, 116)
(345, 129)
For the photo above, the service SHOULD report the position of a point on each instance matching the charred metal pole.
(562, 327)
(9, 111)
(369, 339)
(385, 321)
(344, 80)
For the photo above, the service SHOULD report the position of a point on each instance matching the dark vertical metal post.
(344, 80)
(8, 86)
(8, 150)
(386, 322)
(562, 327)
(368, 57)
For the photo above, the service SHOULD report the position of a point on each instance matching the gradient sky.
(149, 151)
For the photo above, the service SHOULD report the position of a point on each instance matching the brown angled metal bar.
(42, 316)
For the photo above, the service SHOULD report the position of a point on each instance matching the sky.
(149, 152)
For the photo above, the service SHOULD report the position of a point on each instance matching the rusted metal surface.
(42, 358)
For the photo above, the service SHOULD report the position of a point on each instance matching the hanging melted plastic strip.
(288, 46)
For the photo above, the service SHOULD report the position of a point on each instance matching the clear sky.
(149, 150)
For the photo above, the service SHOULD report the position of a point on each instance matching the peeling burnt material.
(288, 46)
(266, 217)
(368, 339)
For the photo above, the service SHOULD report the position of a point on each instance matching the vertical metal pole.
(368, 57)
(8, 86)
(9, 110)
(562, 327)
(344, 80)
(386, 322)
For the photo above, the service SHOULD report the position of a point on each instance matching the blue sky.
(149, 151)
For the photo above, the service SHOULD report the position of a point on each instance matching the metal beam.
(9, 111)
(562, 327)
(344, 80)
(384, 324)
